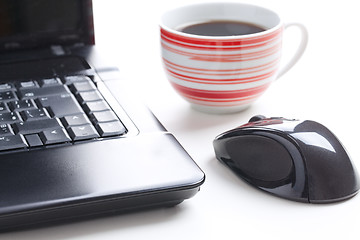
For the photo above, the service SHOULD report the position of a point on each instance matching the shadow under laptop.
(119, 222)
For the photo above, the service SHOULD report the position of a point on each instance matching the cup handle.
(300, 50)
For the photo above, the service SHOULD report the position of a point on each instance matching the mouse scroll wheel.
(257, 118)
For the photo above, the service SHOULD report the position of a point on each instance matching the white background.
(323, 86)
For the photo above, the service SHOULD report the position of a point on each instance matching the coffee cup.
(221, 57)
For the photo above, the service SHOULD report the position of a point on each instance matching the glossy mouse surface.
(297, 160)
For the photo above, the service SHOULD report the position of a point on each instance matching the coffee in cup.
(222, 28)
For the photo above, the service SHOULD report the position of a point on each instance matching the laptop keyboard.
(44, 112)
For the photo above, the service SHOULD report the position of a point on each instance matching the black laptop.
(74, 143)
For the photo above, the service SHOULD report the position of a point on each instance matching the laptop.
(74, 142)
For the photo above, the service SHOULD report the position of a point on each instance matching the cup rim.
(202, 37)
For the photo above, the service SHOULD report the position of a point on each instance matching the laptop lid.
(29, 24)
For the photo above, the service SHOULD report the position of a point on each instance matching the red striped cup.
(223, 74)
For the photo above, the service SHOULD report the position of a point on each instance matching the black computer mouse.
(297, 160)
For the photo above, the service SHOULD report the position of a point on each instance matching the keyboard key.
(91, 96)
(20, 105)
(3, 107)
(33, 140)
(97, 106)
(82, 86)
(110, 128)
(34, 114)
(82, 132)
(5, 130)
(12, 142)
(75, 120)
(4, 87)
(28, 84)
(31, 127)
(43, 92)
(10, 117)
(49, 82)
(106, 116)
(73, 79)
(54, 136)
(7, 96)
(61, 105)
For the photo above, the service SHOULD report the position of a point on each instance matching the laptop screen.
(39, 23)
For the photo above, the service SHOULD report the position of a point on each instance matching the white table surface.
(323, 86)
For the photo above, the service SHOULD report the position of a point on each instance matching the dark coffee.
(222, 28)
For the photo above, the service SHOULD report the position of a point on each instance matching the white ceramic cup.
(224, 74)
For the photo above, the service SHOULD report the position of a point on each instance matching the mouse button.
(260, 158)
(263, 122)
(278, 124)
(257, 118)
